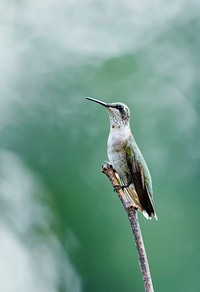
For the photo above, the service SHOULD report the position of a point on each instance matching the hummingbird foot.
(118, 187)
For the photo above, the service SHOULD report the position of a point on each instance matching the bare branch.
(133, 219)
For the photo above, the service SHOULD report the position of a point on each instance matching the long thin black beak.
(100, 102)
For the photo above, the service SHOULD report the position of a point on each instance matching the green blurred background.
(62, 228)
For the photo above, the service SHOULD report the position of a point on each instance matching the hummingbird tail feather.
(146, 215)
(132, 195)
(133, 198)
(144, 197)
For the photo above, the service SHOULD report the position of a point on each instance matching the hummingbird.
(127, 160)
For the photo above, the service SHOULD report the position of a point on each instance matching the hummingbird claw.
(118, 187)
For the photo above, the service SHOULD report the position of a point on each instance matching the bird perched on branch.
(127, 160)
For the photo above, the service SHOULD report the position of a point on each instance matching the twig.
(133, 219)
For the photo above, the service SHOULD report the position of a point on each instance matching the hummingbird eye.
(120, 108)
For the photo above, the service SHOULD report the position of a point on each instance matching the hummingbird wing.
(140, 177)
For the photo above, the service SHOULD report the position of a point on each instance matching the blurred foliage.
(61, 222)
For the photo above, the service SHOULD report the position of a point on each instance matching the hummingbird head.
(119, 113)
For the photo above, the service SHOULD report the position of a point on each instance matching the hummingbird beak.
(99, 102)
